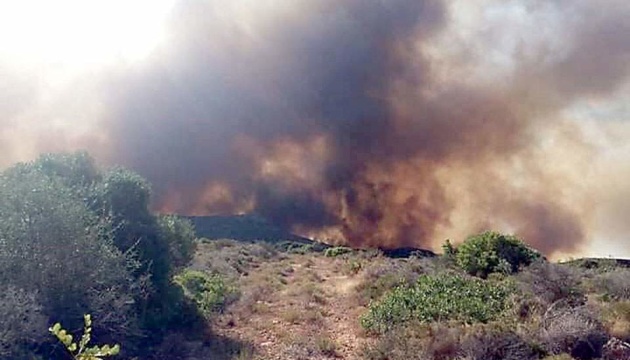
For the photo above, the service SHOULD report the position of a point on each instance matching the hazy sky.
(398, 122)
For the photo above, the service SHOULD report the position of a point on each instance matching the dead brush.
(550, 282)
(494, 342)
(573, 330)
(613, 285)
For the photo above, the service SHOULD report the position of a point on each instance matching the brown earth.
(297, 307)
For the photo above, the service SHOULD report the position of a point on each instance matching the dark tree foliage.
(84, 241)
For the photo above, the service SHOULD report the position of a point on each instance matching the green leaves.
(209, 292)
(437, 298)
(337, 251)
(81, 351)
(490, 252)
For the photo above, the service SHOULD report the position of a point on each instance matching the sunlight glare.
(78, 33)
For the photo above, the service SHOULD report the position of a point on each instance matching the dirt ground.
(297, 307)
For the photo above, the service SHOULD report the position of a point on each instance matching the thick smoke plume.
(376, 123)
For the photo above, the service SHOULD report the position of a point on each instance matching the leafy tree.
(85, 241)
(179, 235)
(53, 246)
(490, 252)
(21, 322)
(161, 245)
(77, 171)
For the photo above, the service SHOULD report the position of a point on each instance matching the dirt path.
(343, 320)
(299, 307)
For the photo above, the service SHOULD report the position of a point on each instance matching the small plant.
(354, 266)
(337, 251)
(300, 249)
(491, 252)
(81, 351)
(437, 298)
(326, 346)
(209, 292)
(448, 249)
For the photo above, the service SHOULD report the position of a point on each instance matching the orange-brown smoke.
(381, 123)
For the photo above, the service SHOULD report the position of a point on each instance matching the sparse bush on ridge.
(490, 252)
(337, 251)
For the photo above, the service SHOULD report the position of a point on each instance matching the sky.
(370, 123)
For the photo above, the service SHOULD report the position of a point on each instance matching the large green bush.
(84, 241)
(179, 235)
(22, 322)
(52, 245)
(436, 298)
(491, 252)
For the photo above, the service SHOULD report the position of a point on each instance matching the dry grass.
(306, 306)
(303, 347)
(616, 318)
(550, 282)
(613, 285)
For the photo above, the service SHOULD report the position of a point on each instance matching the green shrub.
(85, 241)
(436, 298)
(56, 250)
(491, 252)
(301, 249)
(179, 234)
(381, 276)
(209, 292)
(337, 251)
(448, 249)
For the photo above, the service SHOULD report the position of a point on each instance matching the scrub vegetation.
(79, 247)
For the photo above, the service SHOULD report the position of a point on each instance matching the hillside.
(305, 304)
(243, 228)
(252, 228)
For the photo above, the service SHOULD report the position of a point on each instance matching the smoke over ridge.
(389, 123)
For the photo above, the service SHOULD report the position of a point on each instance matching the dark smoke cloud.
(355, 73)
(388, 123)
(323, 70)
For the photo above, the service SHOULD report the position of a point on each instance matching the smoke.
(376, 123)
